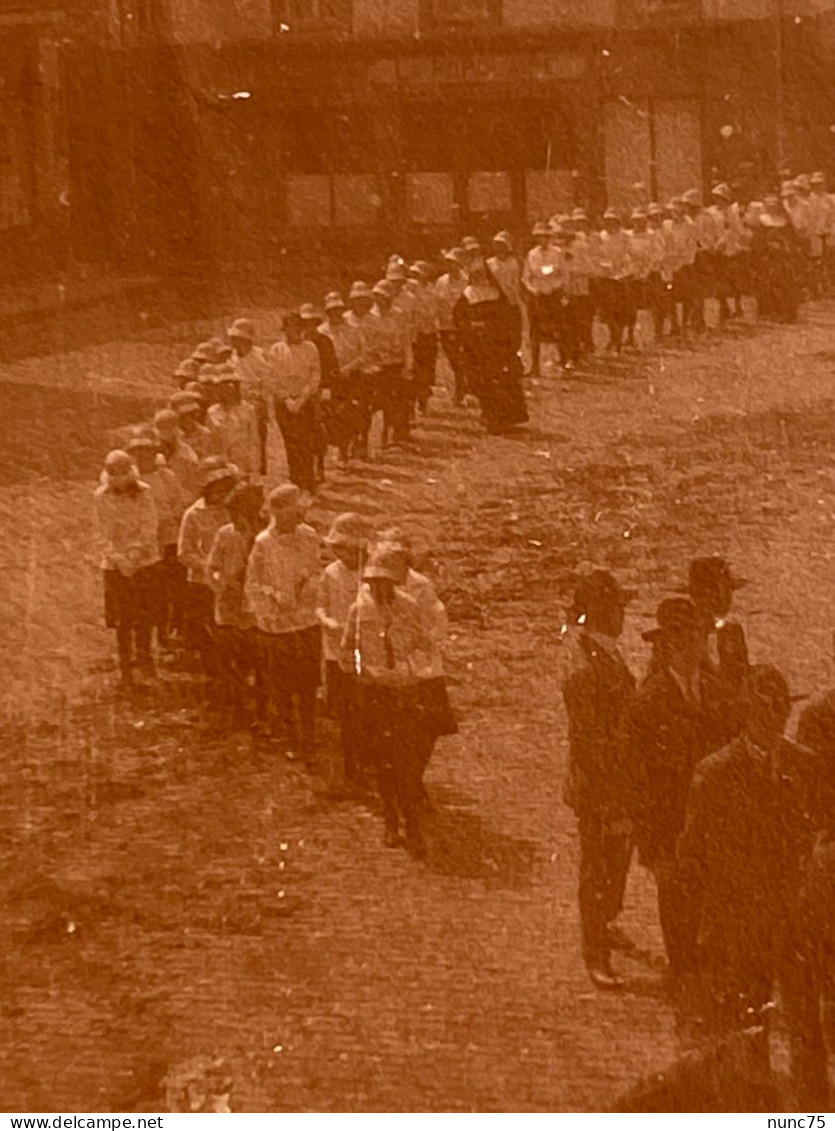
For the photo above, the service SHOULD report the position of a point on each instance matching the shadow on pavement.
(462, 844)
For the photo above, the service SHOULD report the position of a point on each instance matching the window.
(449, 14)
(344, 200)
(311, 15)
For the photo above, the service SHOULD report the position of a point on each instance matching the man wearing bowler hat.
(678, 718)
(749, 832)
(598, 691)
(711, 586)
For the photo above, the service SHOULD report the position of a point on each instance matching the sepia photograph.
(417, 496)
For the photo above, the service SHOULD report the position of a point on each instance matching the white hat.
(692, 196)
(334, 301)
(242, 328)
(360, 290)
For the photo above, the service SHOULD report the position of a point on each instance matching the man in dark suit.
(747, 839)
(598, 690)
(680, 715)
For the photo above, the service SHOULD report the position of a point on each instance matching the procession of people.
(208, 560)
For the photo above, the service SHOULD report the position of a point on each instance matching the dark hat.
(707, 574)
(674, 615)
(599, 587)
(247, 499)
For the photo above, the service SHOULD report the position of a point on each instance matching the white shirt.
(390, 640)
(615, 255)
(424, 316)
(347, 344)
(235, 434)
(541, 271)
(225, 572)
(125, 528)
(429, 663)
(197, 535)
(730, 229)
(387, 341)
(338, 589)
(281, 580)
(364, 326)
(296, 372)
(170, 501)
(448, 290)
(683, 242)
(255, 373)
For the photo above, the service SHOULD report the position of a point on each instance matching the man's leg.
(593, 894)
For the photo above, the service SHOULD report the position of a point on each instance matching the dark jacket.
(598, 690)
(816, 729)
(747, 839)
(668, 736)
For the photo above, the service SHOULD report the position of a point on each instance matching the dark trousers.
(615, 308)
(571, 330)
(347, 418)
(342, 705)
(199, 626)
(604, 866)
(128, 607)
(290, 671)
(424, 359)
(662, 304)
(169, 594)
(584, 306)
(301, 442)
(805, 984)
(236, 663)
(396, 395)
(451, 346)
(678, 915)
(262, 417)
(396, 741)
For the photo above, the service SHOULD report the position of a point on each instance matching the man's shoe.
(605, 979)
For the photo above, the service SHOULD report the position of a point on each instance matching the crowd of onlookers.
(690, 770)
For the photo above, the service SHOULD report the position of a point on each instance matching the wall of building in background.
(33, 170)
(203, 133)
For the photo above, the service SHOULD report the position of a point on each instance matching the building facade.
(206, 131)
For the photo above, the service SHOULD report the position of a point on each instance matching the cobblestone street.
(181, 910)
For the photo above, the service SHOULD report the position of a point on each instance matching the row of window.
(347, 200)
(448, 14)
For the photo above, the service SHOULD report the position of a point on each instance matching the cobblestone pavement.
(182, 912)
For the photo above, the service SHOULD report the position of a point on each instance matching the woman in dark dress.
(775, 262)
(485, 326)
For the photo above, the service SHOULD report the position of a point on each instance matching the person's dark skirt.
(291, 668)
(425, 360)
(300, 432)
(129, 601)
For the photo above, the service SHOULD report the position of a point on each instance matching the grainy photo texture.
(417, 503)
